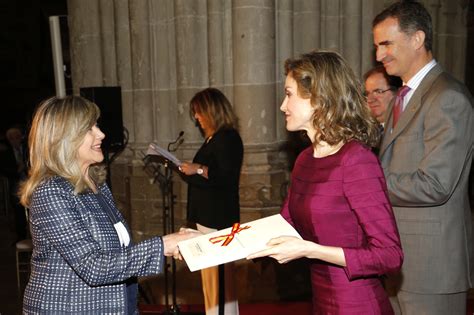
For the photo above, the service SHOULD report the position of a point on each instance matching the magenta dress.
(341, 200)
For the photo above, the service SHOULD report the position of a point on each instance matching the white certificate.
(233, 243)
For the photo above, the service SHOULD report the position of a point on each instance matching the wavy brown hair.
(340, 113)
(213, 104)
(57, 131)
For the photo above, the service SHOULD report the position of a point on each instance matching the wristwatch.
(200, 171)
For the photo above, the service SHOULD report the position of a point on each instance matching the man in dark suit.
(426, 155)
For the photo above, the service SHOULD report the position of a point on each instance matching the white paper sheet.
(154, 149)
(252, 237)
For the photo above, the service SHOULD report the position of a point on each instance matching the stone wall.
(161, 52)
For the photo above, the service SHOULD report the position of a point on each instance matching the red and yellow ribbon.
(227, 238)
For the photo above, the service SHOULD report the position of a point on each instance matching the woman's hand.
(192, 169)
(171, 241)
(285, 249)
(189, 168)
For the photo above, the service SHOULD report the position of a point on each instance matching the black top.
(214, 202)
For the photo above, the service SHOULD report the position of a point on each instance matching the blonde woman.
(83, 261)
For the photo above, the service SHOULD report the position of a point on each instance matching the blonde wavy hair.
(336, 94)
(57, 131)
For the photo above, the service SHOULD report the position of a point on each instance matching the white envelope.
(224, 246)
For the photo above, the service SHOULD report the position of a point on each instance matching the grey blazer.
(78, 265)
(426, 160)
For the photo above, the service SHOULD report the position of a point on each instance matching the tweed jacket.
(78, 265)
(426, 160)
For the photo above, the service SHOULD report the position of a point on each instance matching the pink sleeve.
(366, 191)
(285, 212)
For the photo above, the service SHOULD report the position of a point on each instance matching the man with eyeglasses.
(380, 89)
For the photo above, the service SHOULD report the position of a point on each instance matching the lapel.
(411, 109)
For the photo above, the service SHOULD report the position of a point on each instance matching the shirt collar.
(415, 81)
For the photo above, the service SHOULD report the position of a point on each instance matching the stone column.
(253, 27)
(141, 73)
(124, 63)
(163, 50)
(351, 34)
(331, 26)
(144, 193)
(285, 37)
(306, 29)
(366, 47)
(85, 43)
(191, 60)
(219, 45)
(450, 40)
(107, 37)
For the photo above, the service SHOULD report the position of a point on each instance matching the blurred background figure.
(13, 167)
(380, 89)
(213, 188)
(15, 138)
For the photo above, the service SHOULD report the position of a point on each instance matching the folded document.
(233, 243)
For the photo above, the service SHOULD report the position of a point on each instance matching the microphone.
(178, 140)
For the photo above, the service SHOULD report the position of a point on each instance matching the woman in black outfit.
(213, 190)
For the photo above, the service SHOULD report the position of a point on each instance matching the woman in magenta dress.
(337, 200)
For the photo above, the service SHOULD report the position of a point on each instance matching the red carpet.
(300, 308)
(295, 308)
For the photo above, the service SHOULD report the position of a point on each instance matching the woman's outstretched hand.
(171, 241)
(285, 249)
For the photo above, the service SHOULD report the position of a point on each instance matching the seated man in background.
(13, 167)
(380, 89)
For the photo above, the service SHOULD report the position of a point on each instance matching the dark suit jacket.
(214, 202)
(426, 161)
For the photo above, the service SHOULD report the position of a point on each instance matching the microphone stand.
(165, 180)
(168, 205)
(168, 227)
